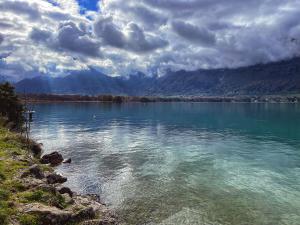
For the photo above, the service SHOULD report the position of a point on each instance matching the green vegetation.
(14, 160)
(9, 168)
(10, 106)
(28, 219)
(42, 196)
(289, 98)
(12, 191)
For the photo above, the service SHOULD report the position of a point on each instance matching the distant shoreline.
(49, 98)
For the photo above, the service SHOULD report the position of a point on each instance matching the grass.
(44, 197)
(10, 147)
(13, 147)
(28, 220)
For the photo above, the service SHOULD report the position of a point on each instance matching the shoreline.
(32, 193)
(54, 98)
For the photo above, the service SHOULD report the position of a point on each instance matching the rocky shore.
(31, 193)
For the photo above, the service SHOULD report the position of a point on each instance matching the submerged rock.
(53, 158)
(55, 178)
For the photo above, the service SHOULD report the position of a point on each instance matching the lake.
(181, 163)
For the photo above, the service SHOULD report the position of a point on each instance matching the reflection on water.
(181, 163)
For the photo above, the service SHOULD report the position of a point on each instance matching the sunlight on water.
(181, 163)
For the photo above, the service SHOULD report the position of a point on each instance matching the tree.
(10, 105)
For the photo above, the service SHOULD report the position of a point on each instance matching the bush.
(10, 105)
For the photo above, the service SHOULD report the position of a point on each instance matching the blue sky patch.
(88, 5)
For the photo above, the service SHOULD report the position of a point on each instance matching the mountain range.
(273, 78)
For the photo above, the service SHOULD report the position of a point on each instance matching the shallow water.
(181, 163)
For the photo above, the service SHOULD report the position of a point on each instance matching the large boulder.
(53, 158)
(54, 178)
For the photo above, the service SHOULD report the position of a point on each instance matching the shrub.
(10, 105)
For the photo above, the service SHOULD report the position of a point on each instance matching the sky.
(52, 37)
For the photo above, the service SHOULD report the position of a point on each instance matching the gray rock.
(66, 190)
(83, 214)
(48, 215)
(34, 171)
(53, 158)
(55, 178)
(36, 150)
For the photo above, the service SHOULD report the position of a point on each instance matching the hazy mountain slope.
(273, 78)
(5, 78)
(89, 82)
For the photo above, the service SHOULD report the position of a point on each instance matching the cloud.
(193, 33)
(21, 7)
(132, 38)
(149, 17)
(71, 37)
(137, 41)
(147, 35)
(109, 32)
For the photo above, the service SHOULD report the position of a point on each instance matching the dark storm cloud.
(133, 39)
(193, 33)
(21, 7)
(69, 37)
(109, 32)
(72, 38)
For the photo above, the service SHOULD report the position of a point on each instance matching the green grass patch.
(4, 195)
(44, 197)
(28, 219)
(11, 146)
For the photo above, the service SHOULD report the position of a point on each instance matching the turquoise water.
(181, 163)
